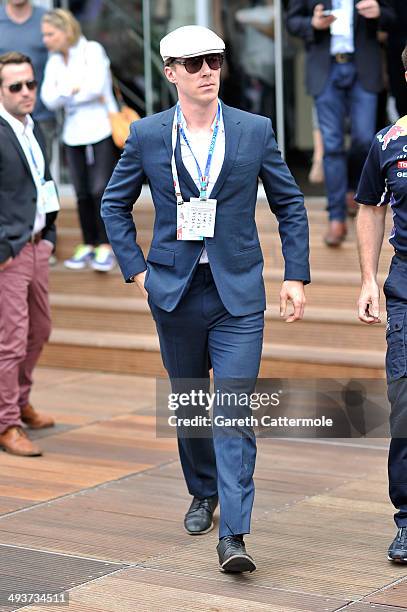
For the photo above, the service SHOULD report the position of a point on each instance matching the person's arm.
(118, 200)
(373, 194)
(54, 93)
(287, 203)
(96, 67)
(304, 24)
(380, 10)
(370, 232)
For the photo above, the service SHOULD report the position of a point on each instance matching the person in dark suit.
(28, 208)
(396, 42)
(344, 74)
(204, 285)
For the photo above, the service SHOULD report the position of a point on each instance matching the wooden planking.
(79, 397)
(155, 591)
(295, 548)
(82, 458)
(305, 504)
(30, 571)
(395, 595)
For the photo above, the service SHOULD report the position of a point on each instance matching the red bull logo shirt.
(384, 179)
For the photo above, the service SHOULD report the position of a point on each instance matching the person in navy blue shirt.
(206, 293)
(384, 182)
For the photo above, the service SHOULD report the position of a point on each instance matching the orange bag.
(120, 123)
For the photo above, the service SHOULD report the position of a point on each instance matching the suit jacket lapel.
(16, 144)
(167, 129)
(182, 171)
(233, 131)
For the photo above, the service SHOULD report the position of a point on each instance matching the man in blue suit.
(203, 275)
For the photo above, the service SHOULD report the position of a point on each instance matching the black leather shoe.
(199, 518)
(233, 556)
(398, 548)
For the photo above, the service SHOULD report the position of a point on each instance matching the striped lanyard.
(203, 178)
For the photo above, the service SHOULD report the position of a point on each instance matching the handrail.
(138, 38)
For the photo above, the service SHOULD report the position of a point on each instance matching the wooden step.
(322, 257)
(335, 290)
(320, 327)
(139, 354)
(266, 222)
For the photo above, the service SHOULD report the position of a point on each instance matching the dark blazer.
(234, 253)
(18, 194)
(317, 43)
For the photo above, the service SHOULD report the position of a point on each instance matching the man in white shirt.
(28, 208)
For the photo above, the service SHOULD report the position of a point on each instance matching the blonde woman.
(77, 79)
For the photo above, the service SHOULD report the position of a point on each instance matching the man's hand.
(5, 264)
(369, 302)
(370, 9)
(319, 22)
(139, 279)
(292, 291)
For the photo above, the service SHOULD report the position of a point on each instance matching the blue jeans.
(200, 334)
(342, 97)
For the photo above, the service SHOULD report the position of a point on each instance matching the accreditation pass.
(196, 219)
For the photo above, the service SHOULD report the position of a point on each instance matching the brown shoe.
(16, 442)
(35, 420)
(336, 234)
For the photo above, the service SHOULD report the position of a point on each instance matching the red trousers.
(25, 326)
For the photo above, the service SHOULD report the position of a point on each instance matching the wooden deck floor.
(100, 516)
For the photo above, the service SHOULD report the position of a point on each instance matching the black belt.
(343, 58)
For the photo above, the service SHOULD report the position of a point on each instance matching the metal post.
(148, 72)
(202, 13)
(278, 42)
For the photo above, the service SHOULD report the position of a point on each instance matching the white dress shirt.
(32, 150)
(200, 146)
(86, 112)
(342, 38)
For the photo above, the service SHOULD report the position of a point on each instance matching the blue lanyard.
(203, 178)
(34, 161)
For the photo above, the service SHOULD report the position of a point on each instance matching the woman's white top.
(86, 112)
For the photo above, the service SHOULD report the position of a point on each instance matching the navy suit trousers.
(198, 335)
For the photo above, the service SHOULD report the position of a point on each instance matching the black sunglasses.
(17, 87)
(194, 64)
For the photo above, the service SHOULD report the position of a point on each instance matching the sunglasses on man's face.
(17, 87)
(194, 64)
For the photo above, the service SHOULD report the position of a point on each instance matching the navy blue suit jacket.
(234, 253)
(368, 58)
